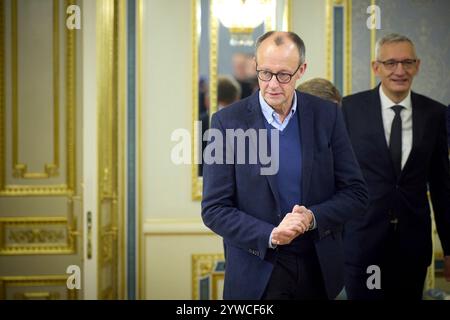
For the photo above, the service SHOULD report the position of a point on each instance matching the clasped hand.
(294, 224)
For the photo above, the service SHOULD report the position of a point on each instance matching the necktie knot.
(397, 109)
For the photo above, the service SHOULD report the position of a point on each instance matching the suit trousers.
(400, 279)
(296, 277)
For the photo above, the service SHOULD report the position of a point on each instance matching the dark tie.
(395, 141)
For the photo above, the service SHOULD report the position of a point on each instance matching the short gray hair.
(391, 38)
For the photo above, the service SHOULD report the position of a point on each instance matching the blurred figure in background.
(203, 113)
(240, 72)
(228, 91)
(321, 88)
(252, 78)
(203, 96)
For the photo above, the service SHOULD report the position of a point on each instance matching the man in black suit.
(400, 140)
(448, 125)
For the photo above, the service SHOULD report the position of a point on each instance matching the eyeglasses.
(282, 77)
(392, 64)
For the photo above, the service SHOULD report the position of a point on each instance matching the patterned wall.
(427, 23)
(360, 47)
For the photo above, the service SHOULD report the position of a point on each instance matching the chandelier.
(241, 17)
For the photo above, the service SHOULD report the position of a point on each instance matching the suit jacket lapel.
(377, 127)
(306, 115)
(374, 112)
(255, 120)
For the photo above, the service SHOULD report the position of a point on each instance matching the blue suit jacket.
(242, 206)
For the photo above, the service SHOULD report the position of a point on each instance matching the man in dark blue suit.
(282, 229)
(400, 140)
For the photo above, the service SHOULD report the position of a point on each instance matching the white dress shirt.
(272, 117)
(406, 115)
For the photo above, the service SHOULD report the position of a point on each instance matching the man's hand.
(294, 224)
(307, 215)
(447, 268)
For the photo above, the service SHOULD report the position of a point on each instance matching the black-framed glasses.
(391, 64)
(282, 77)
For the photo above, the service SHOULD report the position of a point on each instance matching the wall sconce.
(241, 17)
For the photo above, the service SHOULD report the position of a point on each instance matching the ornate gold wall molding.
(37, 295)
(36, 235)
(111, 101)
(197, 182)
(347, 5)
(2, 95)
(373, 35)
(19, 169)
(36, 287)
(207, 272)
(140, 219)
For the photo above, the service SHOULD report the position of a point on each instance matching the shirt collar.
(387, 103)
(270, 114)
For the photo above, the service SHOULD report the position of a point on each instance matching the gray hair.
(391, 38)
(279, 40)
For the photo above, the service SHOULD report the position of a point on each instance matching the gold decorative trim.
(36, 235)
(203, 265)
(373, 35)
(347, 4)
(288, 14)
(2, 96)
(216, 277)
(329, 39)
(36, 281)
(123, 144)
(20, 169)
(71, 105)
(197, 182)
(50, 170)
(141, 257)
(108, 24)
(143, 284)
(107, 294)
(213, 45)
(348, 48)
(44, 295)
(22, 190)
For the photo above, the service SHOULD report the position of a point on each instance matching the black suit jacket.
(365, 238)
(448, 124)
